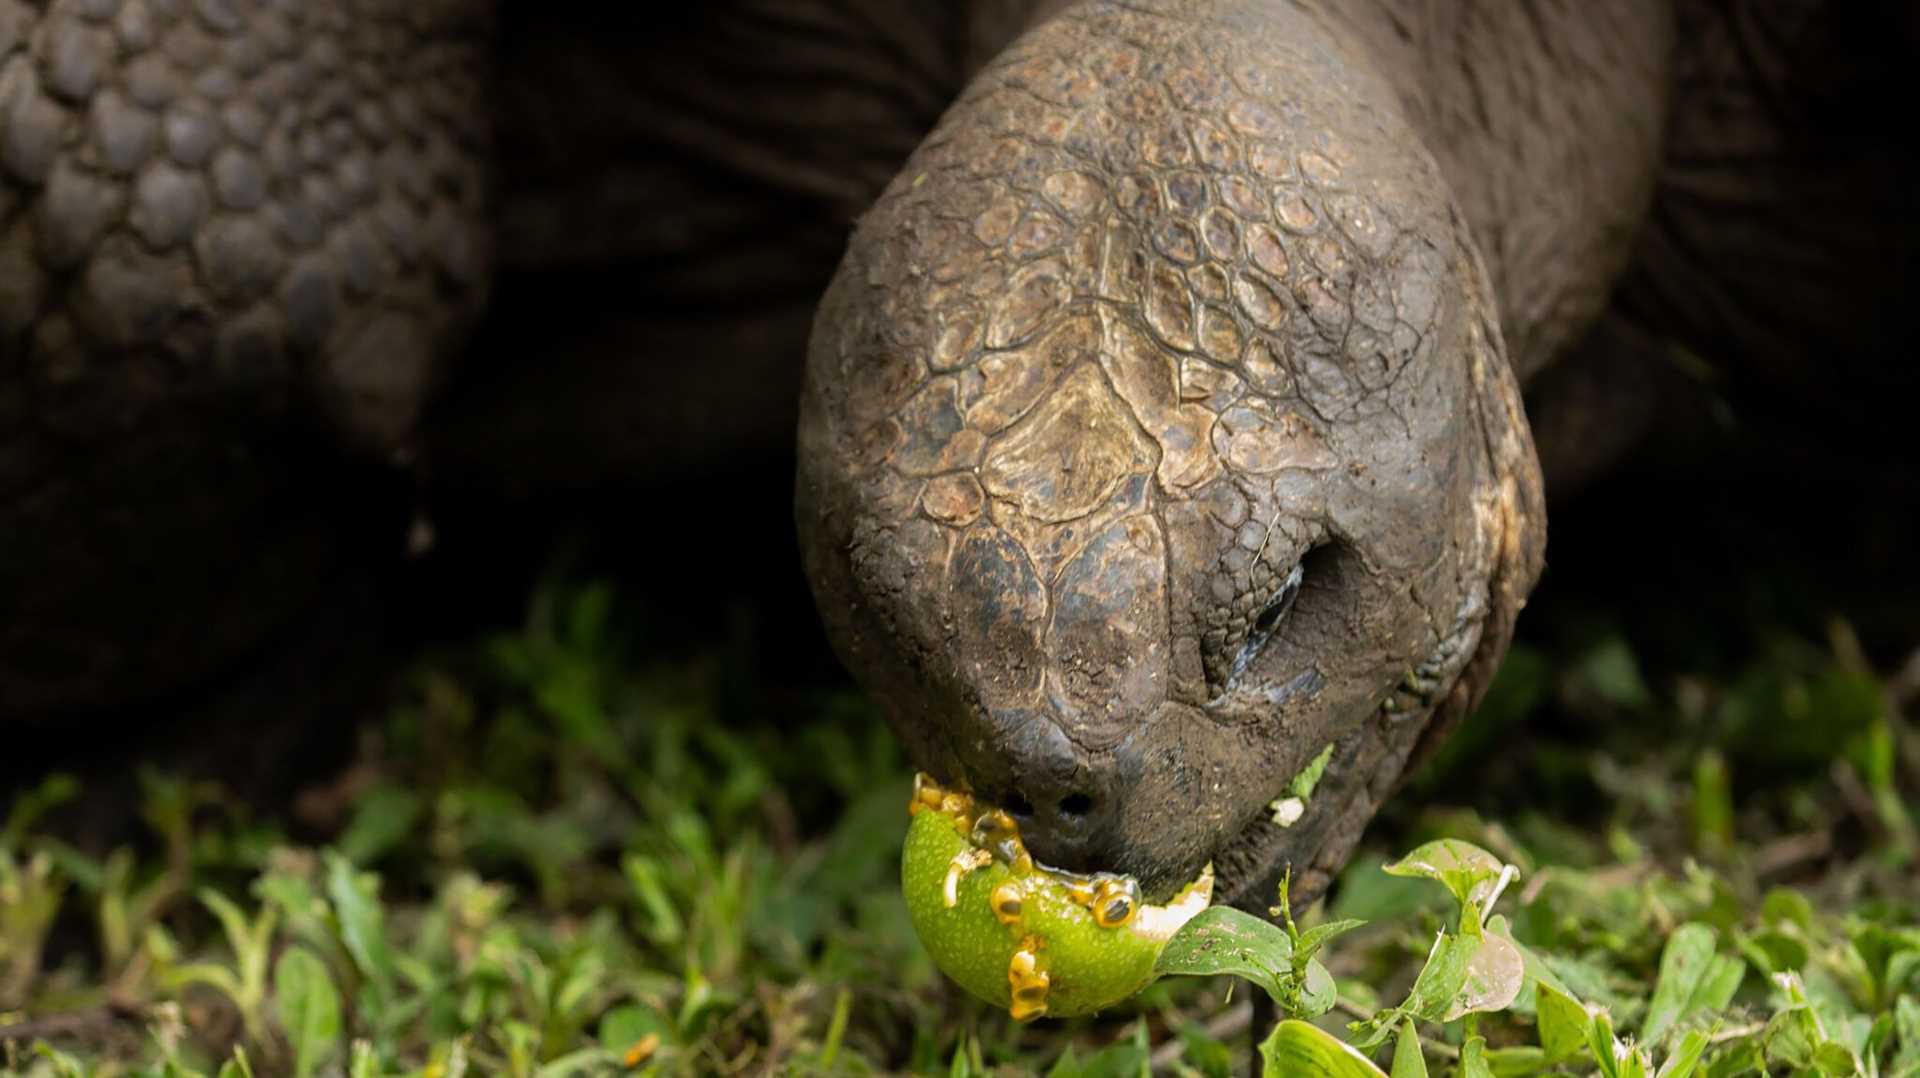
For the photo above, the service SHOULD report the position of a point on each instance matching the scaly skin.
(235, 244)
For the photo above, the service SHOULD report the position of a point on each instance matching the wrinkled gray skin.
(1161, 425)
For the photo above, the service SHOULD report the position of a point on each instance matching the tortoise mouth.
(1115, 898)
(1291, 836)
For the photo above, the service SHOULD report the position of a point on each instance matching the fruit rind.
(1053, 956)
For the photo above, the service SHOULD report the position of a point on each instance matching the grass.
(553, 859)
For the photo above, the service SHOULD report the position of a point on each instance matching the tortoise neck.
(1546, 117)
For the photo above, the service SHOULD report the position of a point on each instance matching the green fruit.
(1045, 950)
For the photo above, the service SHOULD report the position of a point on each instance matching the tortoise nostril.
(1018, 804)
(1076, 804)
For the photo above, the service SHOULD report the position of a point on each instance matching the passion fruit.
(1017, 934)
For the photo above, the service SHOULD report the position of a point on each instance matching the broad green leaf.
(309, 1008)
(1775, 951)
(1297, 1049)
(1203, 1053)
(1741, 1060)
(1128, 1059)
(28, 806)
(1685, 1057)
(1441, 979)
(1832, 1058)
(1221, 939)
(1793, 1035)
(1433, 992)
(1473, 1059)
(63, 1064)
(1302, 785)
(1318, 936)
(1516, 1061)
(1784, 906)
(1613, 1056)
(1494, 975)
(356, 903)
(1888, 954)
(1612, 673)
(1564, 1024)
(250, 941)
(579, 1061)
(1367, 892)
(383, 817)
(1408, 1062)
(1538, 972)
(625, 1029)
(1466, 870)
(1692, 977)
(1318, 993)
(1712, 804)
(1906, 1025)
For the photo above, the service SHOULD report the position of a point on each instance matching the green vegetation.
(553, 860)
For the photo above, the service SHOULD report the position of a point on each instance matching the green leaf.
(1686, 1057)
(1302, 784)
(1441, 978)
(1906, 1025)
(1784, 906)
(1712, 804)
(1464, 869)
(1692, 978)
(1473, 1059)
(1408, 1062)
(1318, 993)
(29, 805)
(1888, 954)
(1297, 1049)
(1494, 976)
(250, 941)
(1516, 1061)
(1611, 673)
(63, 1064)
(309, 1008)
(1205, 1054)
(362, 927)
(1565, 1025)
(1775, 951)
(1833, 1058)
(1221, 939)
(1433, 992)
(624, 1028)
(1607, 1051)
(1320, 935)
(1742, 1060)
(383, 817)
(579, 1061)
(1538, 972)
(1128, 1059)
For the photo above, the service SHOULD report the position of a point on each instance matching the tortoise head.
(1156, 436)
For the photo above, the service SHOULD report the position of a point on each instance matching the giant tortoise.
(1161, 426)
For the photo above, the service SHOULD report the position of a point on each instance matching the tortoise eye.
(1298, 595)
(1265, 622)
